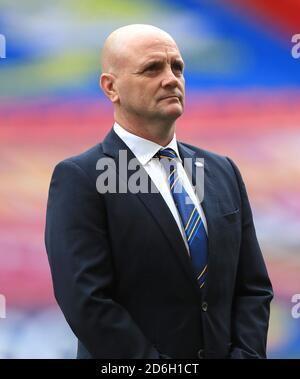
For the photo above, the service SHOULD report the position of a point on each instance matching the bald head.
(122, 41)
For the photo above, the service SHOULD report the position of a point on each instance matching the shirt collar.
(142, 148)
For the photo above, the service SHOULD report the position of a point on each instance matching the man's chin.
(173, 113)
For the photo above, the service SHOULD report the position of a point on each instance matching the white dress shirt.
(144, 150)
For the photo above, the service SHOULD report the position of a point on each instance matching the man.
(154, 274)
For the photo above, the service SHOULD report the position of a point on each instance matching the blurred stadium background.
(243, 100)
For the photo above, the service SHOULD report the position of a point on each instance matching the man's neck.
(160, 134)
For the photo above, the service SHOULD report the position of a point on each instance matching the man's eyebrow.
(151, 61)
(144, 65)
(157, 60)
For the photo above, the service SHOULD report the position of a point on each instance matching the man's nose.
(169, 79)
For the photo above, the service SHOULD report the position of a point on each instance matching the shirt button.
(204, 306)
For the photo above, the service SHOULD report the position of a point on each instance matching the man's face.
(150, 83)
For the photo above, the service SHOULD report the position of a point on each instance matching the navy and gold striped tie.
(191, 220)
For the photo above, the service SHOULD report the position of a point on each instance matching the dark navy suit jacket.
(124, 280)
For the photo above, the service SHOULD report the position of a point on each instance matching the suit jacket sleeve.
(78, 248)
(253, 291)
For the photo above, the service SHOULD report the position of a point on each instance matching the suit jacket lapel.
(154, 202)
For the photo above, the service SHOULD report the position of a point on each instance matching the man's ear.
(107, 83)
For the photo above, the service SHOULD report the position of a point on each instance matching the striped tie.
(191, 220)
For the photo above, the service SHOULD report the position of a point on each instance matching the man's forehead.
(155, 49)
(157, 44)
(137, 48)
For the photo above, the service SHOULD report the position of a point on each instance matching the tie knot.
(166, 153)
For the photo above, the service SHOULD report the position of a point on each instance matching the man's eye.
(152, 67)
(178, 67)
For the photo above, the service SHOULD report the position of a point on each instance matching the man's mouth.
(170, 97)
